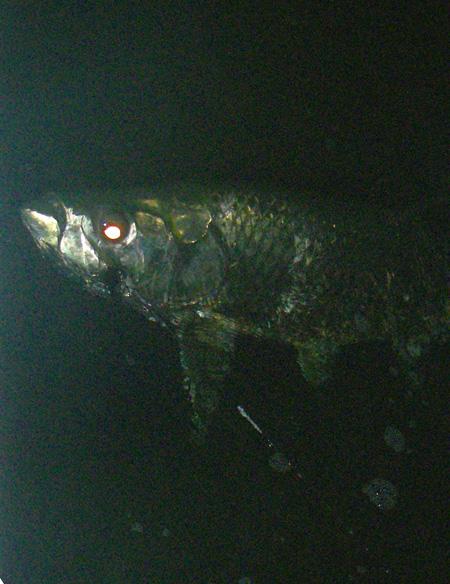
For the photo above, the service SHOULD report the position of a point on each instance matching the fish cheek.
(77, 249)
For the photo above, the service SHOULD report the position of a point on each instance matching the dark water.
(99, 480)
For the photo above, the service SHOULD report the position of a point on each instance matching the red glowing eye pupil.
(112, 231)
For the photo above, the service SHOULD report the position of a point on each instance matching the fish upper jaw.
(42, 225)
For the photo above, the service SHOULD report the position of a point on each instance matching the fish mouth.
(40, 221)
(46, 223)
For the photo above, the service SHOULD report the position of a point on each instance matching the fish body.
(213, 264)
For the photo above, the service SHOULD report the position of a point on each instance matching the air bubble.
(394, 438)
(382, 493)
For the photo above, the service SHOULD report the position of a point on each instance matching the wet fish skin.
(215, 263)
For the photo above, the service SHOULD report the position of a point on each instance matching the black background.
(335, 97)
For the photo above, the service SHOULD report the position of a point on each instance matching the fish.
(216, 263)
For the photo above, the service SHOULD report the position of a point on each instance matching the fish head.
(160, 254)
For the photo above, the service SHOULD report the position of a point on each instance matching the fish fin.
(206, 348)
(316, 358)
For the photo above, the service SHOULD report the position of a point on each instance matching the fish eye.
(113, 227)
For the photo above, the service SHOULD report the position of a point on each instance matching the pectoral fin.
(316, 358)
(206, 347)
